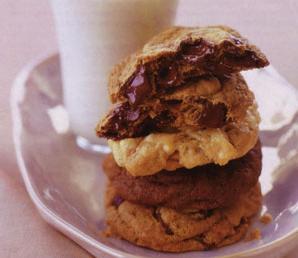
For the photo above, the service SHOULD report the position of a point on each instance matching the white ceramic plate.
(66, 183)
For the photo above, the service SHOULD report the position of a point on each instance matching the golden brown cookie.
(204, 103)
(169, 230)
(150, 154)
(177, 55)
(204, 187)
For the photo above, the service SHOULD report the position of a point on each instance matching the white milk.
(94, 35)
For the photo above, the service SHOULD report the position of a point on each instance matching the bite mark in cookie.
(206, 103)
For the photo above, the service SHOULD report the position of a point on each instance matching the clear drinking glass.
(94, 35)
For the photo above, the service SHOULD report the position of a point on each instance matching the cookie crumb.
(253, 235)
(266, 218)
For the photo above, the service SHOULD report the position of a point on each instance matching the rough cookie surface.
(169, 230)
(178, 54)
(205, 187)
(206, 103)
(148, 155)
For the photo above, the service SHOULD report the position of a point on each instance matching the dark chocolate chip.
(212, 115)
(229, 61)
(139, 87)
(133, 115)
(122, 117)
(197, 53)
(168, 74)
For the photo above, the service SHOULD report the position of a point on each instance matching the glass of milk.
(93, 36)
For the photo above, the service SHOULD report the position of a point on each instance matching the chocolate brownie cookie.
(148, 155)
(178, 55)
(205, 187)
(204, 103)
(169, 230)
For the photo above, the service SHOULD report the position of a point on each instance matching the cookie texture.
(174, 56)
(148, 155)
(203, 103)
(205, 187)
(169, 230)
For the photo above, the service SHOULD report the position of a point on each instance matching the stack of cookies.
(183, 173)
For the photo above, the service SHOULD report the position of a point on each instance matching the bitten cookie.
(169, 230)
(204, 103)
(148, 155)
(175, 56)
(205, 187)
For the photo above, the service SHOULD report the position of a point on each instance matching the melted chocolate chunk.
(209, 58)
(168, 75)
(130, 121)
(139, 87)
(133, 115)
(247, 57)
(228, 61)
(213, 115)
(160, 123)
(124, 113)
(198, 53)
(119, 120)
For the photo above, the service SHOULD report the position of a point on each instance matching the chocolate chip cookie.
(170, 230)
(204, 103)
(177, 55)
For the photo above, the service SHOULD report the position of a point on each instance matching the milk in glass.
(93, 36)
